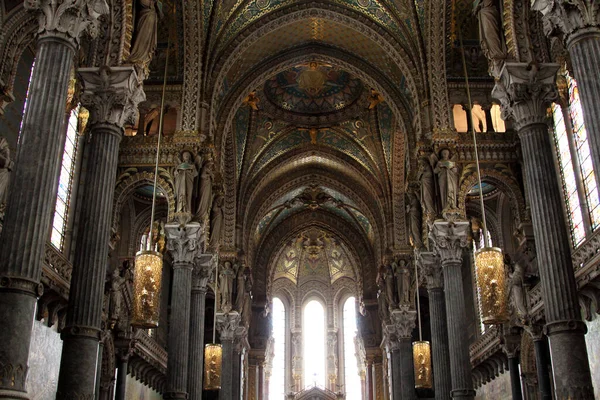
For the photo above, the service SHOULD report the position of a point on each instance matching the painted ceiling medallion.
(313, 88)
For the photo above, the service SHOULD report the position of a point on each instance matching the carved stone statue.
(116, 296)
(381, 297)
(6, 166)
(389, 286)
(425, 176)
(517, 292)
(403, 282)
(413, 210)
(145, 32)
(226, 286)
(206, 183)
(185, 173)
(490, 33)
(217, 216)
(447, 173)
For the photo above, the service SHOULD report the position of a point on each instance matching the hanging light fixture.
(147, 277)
(489, 261)
(421, 348)
(213, 352)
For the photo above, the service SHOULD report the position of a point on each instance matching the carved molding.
(450, 238)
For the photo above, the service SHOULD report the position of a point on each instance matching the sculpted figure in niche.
(413, 210)
(517, 292)
(145, 33)
(425, 177)
(490, 33)
(226, 286)
(6, 166)
(389, 286)
(116, 296)
(206, 183)
(217, 216)
(246, 308)
(239, 298)
(403, 282)
(381, 296)
(447, 174)
(185, 173)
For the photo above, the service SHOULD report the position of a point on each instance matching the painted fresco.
(498, 389)
(134, 389)
(240, 127)
(387, 124)
(44, 362)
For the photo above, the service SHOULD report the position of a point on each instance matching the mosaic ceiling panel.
(387, 127)
(313, 89)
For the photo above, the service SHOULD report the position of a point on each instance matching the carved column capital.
(569, 18)
(67, 19)
(402, 323)
(450, 237)
(525, 91)
(430, 267)
(183, 242)
(511, 345)
(111, 95)
(204, 266)
(227, 325)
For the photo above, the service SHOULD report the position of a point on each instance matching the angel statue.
(206, 183)
(185, 173)
(145, 33)
(447, 174)
(216, 219)
(490, 33)
(517, 292)
(425, 177)
(413, 211)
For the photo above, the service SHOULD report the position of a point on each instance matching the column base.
(78, 365)
(13, 395)
(462, 394)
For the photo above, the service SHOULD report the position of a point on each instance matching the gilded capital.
(67, 19)
(111, 94)
(449, 238)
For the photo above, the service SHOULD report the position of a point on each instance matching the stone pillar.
(34, 182)
(578, 25)
(240, 346)
(398, 336)
(203, 268)
(227, 325)
(184, 244)
(369, 381)
(111, 96)
(524, 97)
(541, 361)
(431, 269)
(511, 347)
(256, 358)
(450, 239)
(121, 386)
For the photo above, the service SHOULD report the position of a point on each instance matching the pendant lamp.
(213, 352)
(421, 348)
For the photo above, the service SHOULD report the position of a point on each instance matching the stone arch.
(18, 32)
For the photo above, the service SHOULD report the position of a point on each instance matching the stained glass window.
(65, 182)
(351, 378)
(314, 344)
(277, 381)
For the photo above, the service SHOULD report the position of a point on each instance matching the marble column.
(512, 345)
(34, 182)
(227, 325)
(111, 95)
(121, 386)
(450, 238)
(541, 361)
(370, 383)
(239, 349)
(524, 96)
(203, 267)
(184, 243)
(578, 25)
(398, 336)
(431, 269)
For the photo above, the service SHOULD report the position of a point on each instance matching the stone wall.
(44, 362)
(592, 340)
(498, 389)
(137, 390)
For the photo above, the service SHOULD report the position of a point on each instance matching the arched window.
(277, 382)
(65, 182)
(314, 344)
(351, 378)
(576, 169)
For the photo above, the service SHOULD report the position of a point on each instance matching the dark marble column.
(579, 28)
(450, 238)
(370, 383)
(431, 269)
(120, 387)
(111, 96)
(239, 348)
(184, 244)
(33, 185)
(512, 345)
(541, 361)
(227, 325)
(203, 268)
(398, 336)
(526, 104)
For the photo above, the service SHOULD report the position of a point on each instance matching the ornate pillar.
(34, 181)
(297, 363)
(512, 345)
(332, 359)
(111, 95)
(432, 271)
(399, 341)
(227, 324)
(578, 24)
(525, 95)
(203, 267)
(369, 380)
(256, 358)
(450, 238)
(239, 349)
(541, 361)
(184, 244)
(123, 356)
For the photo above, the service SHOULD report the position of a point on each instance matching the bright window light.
(314, 344)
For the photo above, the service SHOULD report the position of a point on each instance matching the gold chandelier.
(489, 261)
(213, 352)
(421, 348)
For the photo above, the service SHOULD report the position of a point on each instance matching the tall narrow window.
(65, 182)
(314, 344)
(26, 100)
(352, 379)
(277, 382)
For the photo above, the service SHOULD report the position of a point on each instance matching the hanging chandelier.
(489, 261)
(213, 352)
(421, 348)
(147, 277)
